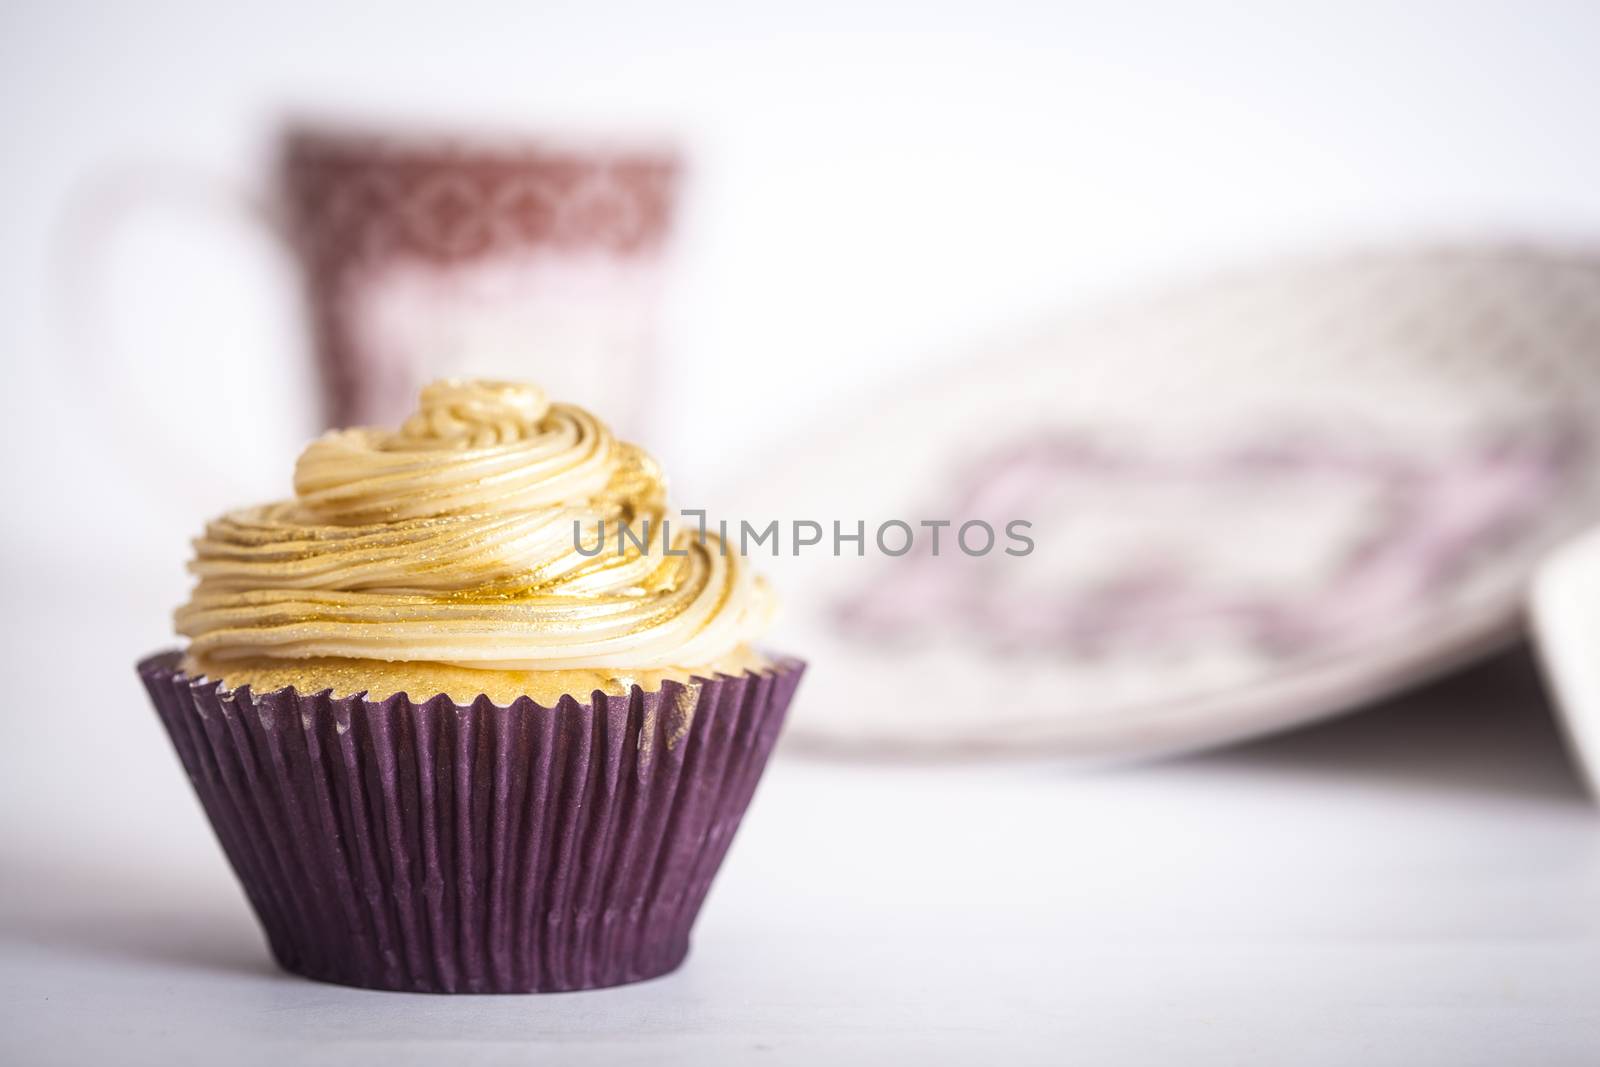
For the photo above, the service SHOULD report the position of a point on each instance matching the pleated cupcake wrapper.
(439, 847)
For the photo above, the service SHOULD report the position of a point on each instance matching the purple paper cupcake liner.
(438, 847)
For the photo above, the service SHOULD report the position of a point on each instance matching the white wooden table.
(1415, 884)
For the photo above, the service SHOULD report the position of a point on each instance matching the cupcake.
(473, 712)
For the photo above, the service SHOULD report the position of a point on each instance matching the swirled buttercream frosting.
(468, 538)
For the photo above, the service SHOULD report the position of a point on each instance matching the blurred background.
(747, 223)
(737, 235)
(863, 191)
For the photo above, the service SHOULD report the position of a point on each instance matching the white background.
(873, 189)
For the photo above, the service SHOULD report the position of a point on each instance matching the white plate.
(1565, 608)
(1255, 501)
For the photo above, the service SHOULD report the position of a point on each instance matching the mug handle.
(96, 216)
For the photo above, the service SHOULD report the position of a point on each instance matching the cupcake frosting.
(456, 539)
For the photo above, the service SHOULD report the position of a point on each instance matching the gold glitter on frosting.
(451, 542)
